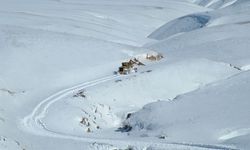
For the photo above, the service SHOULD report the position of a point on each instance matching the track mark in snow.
(214, 4)
(7, 144)
(211, 147)
(235, 133)
(33, 121)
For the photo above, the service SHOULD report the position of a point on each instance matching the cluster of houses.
(130, 66)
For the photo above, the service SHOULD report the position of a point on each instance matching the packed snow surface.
(59, 86)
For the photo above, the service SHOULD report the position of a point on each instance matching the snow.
(183, 24)
(7, 144)
(215, 4)
(104, 103)
(215, 112)
(210, 43)
(195, 97)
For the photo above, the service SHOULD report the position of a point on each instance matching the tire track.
(33, 124)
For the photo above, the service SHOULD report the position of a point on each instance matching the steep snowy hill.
(214, 114)
(225, 37)
(235, 14)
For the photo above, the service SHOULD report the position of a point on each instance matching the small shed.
(126, 67)
(154, 57)
(129, 66)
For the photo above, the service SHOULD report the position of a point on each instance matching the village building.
(129, 66)
(155, 57)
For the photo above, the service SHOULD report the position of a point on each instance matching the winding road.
(33, 124)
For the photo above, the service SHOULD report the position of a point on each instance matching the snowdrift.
(216, 111)
(180, 25)
(193, 22)
(224, 39)
(215, 4)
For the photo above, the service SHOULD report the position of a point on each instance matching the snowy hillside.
(214, 4)
(212, 113)
(61, 86)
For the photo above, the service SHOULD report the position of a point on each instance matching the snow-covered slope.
(180, 25)
(219, 112)
(104, 106)
(224, 38)
(214, 4)
(235, 14)
(58, 89)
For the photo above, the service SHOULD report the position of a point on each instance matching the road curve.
(33, 122)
